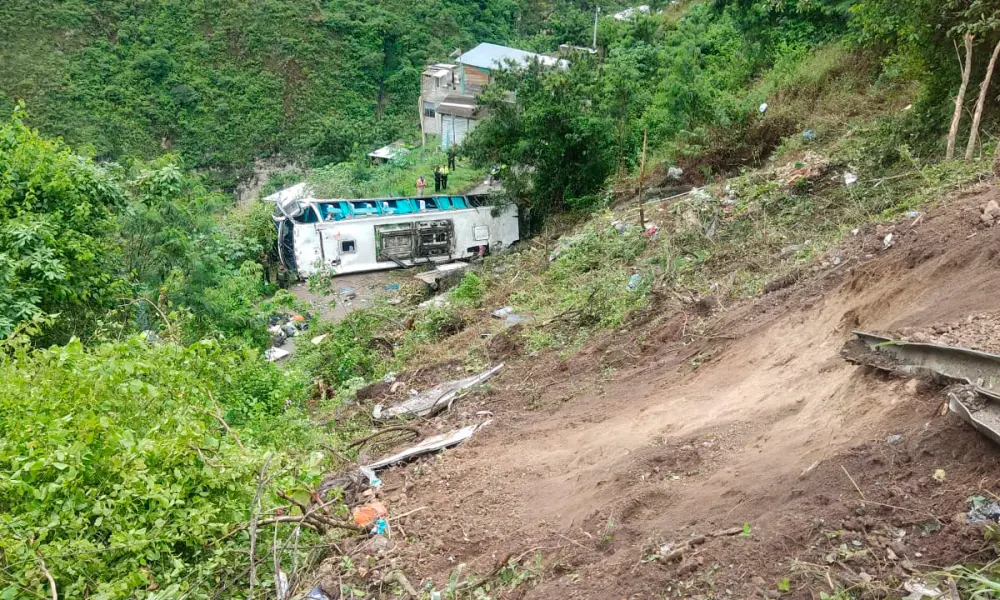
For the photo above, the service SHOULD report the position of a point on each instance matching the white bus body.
(350, 236)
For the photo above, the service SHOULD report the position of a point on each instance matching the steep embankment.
(596, 462)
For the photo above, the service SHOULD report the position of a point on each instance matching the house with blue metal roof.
(448, 92)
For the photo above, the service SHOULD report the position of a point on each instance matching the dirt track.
(595, 462)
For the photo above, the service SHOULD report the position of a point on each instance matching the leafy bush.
(57, 253)
(353, 347)
(117, 472)
(470, 290)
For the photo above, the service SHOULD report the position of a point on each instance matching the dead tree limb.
(254, 514)
(960, 99)
(970, 148)
(222, 421)
(398, 577)
(48, 576)
(361, 441)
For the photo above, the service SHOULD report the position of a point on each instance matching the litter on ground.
(434, 400)
(275, 354)
(431, 444)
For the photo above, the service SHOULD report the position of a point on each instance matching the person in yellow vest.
(444, 178)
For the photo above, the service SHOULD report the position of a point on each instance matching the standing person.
(451, 158)
(437, 179)
(421, 184)
(444, 178)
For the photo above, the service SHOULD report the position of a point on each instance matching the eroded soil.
(597, 463)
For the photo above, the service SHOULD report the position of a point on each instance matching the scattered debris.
(762, 108)
(920, 589)
(501, 313)
(275, 354)
(435, 302)
(939, 475)
(808, 168)
(850, 178)
(671, 552)
(316, 594)
(436, 276)
(893, 439)
(282, 327)
(974, 375)
(633, 282)
(435, 399)
(368, 514)
(675, 173)
(373, 479)
(516, 319)
(316, 341)
(431, 444)
(391, 287)
(887, 242)
(983, 511)
(347, 293)
(991, 212)
(809, 135)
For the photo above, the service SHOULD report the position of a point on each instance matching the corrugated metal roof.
(389, 152)
(458, 105)
(492, 56)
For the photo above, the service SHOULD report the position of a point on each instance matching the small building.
(448, 91)
(630, 13)
(476, 66)
(457, 116)
(387, 153)
(436, 83)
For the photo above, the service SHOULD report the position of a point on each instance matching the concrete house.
(448, 91)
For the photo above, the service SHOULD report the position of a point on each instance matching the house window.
(428, 110)
(348, 247)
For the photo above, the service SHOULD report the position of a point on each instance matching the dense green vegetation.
(222, 83)
(141, 428)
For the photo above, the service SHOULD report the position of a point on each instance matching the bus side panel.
(308, 248)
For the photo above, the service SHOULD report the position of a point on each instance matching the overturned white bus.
(349, 236)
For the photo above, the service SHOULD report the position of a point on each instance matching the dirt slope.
(597, 461)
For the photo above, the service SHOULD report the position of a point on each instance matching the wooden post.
(642, 175)
(960, 99)
(420, 111)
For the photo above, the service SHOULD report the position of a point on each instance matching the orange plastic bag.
(369, 513)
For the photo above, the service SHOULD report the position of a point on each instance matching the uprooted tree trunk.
(960, 99)
(978, 115)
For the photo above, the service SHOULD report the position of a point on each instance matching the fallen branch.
(254, 515)
(48, 575)
(362, 441)
(406, 514)
(860, 493)
(286, 497)
(218, 416)
(397, 576)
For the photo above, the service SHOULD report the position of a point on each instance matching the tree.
(58, 254)
(557, 134)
